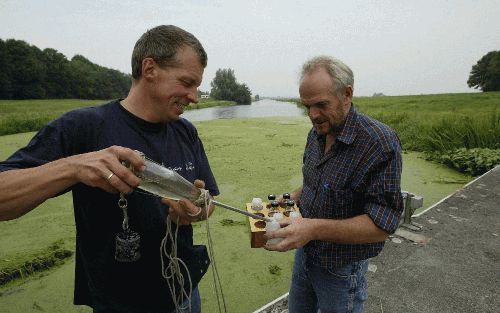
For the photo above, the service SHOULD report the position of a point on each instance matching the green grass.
(443, 122)
(19, 116)
(250, 158)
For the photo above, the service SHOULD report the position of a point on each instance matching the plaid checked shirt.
(359, 175)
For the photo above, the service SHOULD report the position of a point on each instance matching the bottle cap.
(271, 197)
(286, 196)
(257, 204)
(274, 204)
(278, 217)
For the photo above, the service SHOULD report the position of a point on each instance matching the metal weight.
(127, 242)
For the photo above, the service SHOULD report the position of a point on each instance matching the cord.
(172, 272)
(215, 272)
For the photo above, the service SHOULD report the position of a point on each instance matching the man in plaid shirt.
(350, 199)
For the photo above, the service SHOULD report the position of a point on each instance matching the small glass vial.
(274, 208)
(289, 207)
(286, 197)
(271, 198)
(270, 227)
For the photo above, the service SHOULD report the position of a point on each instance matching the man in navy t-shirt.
(83, 150)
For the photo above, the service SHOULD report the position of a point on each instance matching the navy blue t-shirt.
(176, 145)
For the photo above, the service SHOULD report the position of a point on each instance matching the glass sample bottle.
(270, 227)
(286, 197)
(271, 198)
(289, 207)
(274, 208)
(165, 183)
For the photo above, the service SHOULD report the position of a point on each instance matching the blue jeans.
(195, 303)
(341, 290)
(100, 307)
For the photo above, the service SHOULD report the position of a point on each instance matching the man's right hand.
(104, 169)
(24, 189)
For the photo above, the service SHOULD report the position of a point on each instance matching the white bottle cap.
(294, 215)
(257, 204)
(278, 217)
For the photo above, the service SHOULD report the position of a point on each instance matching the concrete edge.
(266, 306)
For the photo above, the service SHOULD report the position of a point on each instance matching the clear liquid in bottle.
(166, 183)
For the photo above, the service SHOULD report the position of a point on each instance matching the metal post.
(411, 203)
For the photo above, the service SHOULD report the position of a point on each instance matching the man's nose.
(313, 112)
(193, 95)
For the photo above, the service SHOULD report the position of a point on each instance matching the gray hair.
(161, 44)
(340, 73)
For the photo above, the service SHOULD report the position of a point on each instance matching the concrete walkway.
(451, 265)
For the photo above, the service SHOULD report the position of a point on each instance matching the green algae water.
(430, 180)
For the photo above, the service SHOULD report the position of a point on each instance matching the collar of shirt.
(348, 132)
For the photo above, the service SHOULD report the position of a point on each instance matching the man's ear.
(348, 92)
(148, 70)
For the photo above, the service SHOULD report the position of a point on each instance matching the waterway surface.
(262, 108)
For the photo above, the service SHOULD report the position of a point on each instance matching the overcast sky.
(393, 47)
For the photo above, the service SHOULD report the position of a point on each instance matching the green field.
(250, 158)
(19, 116)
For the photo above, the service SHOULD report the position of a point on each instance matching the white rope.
(215, 272)
(172, 272)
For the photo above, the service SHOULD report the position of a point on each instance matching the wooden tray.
(258, 227)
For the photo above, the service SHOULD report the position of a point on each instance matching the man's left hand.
(295, 235)
(184, 212)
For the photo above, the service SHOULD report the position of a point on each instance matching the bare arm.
(356, 230)
(24, 189)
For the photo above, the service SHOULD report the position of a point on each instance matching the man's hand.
(295, 235)
(184, 212)
(103, 169)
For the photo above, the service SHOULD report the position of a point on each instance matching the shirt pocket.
(338, 203)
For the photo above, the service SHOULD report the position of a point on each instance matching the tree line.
(26, 72)
(225, 87)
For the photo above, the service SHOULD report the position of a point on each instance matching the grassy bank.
(442, 122)
(19, 116)
(250, 158)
